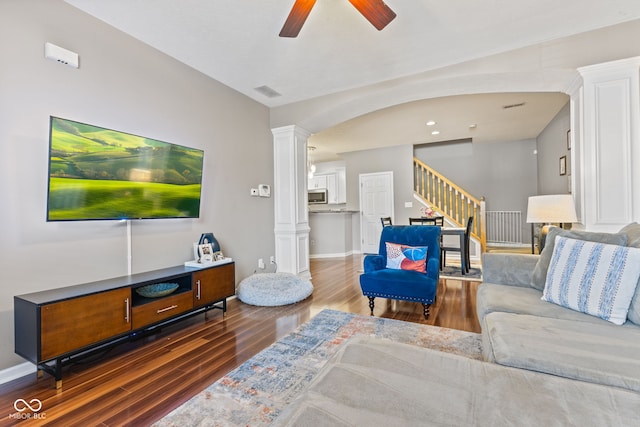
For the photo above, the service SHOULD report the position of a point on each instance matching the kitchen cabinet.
(335, 183)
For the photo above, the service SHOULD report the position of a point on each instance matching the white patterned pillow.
(593, 278)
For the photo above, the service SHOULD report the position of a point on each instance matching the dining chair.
(385, 220)
(436, 220)
(422, 221)
(464, 251)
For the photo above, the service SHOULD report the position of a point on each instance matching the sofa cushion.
(374, 382)
(404, 257)
(510, 299)
(633, 239)
(508, 269)
(597, 353)
(593, 278)
(632, 231)
(540, 271)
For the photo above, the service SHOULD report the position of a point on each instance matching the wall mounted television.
(102, 174)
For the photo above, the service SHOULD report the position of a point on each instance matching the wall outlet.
(272, 259)
(261, 263)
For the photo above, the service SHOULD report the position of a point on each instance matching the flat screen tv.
(103, 174)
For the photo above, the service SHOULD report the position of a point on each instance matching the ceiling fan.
(375, 11)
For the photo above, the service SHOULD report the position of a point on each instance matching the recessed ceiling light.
(431, 123)
(473, 126)
(435, 132)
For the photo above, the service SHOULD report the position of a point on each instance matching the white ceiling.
(236, 42)
(481, 118)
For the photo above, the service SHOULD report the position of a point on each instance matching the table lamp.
(554, 208)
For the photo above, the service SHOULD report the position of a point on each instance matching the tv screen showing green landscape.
(100, 174)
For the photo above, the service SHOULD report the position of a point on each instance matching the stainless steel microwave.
(317, 196)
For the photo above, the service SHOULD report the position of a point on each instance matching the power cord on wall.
(275, 269)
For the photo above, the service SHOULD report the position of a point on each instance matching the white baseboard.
(336, 255)
(16, 372)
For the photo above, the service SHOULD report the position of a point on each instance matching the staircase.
(449, 200)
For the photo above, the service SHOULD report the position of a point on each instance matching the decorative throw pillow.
(403, 257)
(540, 271)
(593, 278)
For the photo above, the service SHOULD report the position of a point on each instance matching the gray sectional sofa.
(545, 365)
(521, 330)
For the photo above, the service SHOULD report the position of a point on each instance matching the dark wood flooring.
(138, 382)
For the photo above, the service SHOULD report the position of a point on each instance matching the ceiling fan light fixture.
(374, 11)
(299, 13)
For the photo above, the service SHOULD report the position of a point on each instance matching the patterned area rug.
(256, 392)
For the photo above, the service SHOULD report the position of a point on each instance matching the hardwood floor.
(140, 381)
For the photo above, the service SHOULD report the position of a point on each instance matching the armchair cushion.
(403, 257)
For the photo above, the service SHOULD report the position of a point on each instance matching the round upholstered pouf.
(272, 289)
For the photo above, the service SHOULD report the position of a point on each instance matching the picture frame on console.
(206, 252)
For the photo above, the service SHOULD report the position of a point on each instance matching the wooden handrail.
(450, 200)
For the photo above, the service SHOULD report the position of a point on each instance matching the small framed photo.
(206, 252)
(218, 256)
(563, 165)
(569, 139)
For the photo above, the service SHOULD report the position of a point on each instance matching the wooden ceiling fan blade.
(376, 12)
(296, 18)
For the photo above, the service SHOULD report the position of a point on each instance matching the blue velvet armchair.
(379, 281)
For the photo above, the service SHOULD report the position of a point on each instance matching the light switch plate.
(264, 190)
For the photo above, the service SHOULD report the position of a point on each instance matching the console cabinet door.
(75, 323)
(213, 284)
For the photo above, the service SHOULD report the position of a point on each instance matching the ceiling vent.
(506, 107)
(267, 91)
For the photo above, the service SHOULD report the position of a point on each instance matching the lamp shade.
(555, 208)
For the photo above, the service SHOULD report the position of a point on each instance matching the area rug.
(273, 289)
(455, 272)
(256, 392)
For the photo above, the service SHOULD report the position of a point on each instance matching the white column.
(290, 199)
(610, 144)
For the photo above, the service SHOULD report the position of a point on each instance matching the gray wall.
(552, 145)
(399, 160)
(124, 85)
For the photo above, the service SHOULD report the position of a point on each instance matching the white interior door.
(376, 201)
